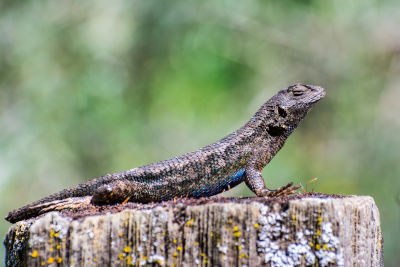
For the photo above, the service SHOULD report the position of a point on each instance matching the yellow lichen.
(50, 260)
(189, 222)
(59, 260)
(256, 225)
(179, 248)
(127, 249)
(34, 254)
(236, 232)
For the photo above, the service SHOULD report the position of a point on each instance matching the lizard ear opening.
(275, 130)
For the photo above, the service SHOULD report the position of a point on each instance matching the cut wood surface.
(317, 229)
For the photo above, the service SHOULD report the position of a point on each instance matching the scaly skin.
(238, 157)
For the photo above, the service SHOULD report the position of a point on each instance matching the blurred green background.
(94, 87)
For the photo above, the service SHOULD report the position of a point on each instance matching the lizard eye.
(297, 89)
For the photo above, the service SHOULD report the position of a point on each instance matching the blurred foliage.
(94, 87)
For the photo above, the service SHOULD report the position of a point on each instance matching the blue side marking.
(237, 176)
(224, 185)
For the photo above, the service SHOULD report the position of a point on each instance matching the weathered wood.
(318, 231)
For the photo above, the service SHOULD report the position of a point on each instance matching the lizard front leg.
(255, 181)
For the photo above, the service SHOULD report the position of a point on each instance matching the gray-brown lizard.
(238, 157)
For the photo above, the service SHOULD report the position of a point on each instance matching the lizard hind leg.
(117, 192)
(255, 182)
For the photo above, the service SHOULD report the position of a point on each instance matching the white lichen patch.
(156, 259)
(280, 249)
(330, 250)
(133, 257)
(143, 238)
(90, 233)
(301, 249)
(222, 249)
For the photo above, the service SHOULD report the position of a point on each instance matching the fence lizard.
(238, 157)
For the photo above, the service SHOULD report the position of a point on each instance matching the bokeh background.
(94, 87)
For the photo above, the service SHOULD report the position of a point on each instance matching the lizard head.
(291, 105)
(298, 99)
(283, 112)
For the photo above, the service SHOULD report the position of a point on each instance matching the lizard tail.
(36, 209)
(44, 205)
(22, 213)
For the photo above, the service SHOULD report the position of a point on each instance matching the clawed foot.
(284, 190)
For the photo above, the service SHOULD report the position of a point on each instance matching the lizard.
(238, 157)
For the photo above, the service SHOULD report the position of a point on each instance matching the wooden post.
(317, 230)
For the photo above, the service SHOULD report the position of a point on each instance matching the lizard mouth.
(318, 97)
(319, 93)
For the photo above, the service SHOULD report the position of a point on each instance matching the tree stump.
(311, 229)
